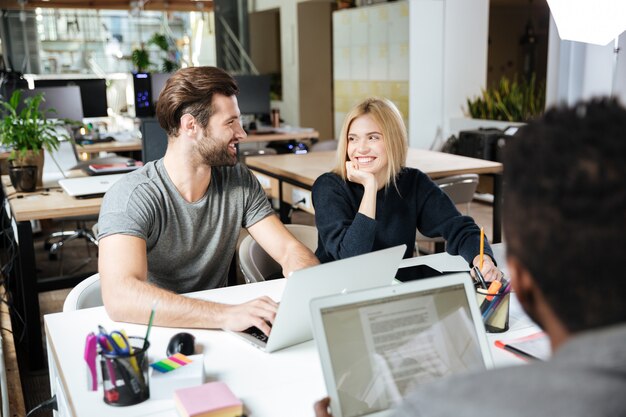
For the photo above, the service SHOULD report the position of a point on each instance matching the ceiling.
(173, 5)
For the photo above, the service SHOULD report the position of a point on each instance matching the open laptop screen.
(381, 347)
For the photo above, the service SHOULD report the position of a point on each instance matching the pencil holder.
(125, 375)
(494, 309)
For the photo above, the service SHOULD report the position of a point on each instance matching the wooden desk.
(282, 384)
(113, 146)
(21, 208)
(302, 170)
(274, 137)
(135, 145)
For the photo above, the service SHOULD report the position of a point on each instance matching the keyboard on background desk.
(91, 141)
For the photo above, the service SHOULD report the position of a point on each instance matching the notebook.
(114, 168)
(292, 323)
(87, 187)
(376, 345)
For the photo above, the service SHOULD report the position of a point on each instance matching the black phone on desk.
(415, 272)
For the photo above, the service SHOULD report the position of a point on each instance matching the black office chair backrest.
(153, 140)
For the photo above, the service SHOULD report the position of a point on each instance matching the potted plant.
(28, 132)
(509, 101)
(167, 47)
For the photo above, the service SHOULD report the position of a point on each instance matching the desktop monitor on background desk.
(93, 93)
(254, 94)
(157, 82)
(64, 100)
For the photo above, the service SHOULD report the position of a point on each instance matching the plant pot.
(24, 178)
(29, 159)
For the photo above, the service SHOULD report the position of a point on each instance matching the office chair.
(460, 189)
(256, 265)
(56, 166)
(84, 295)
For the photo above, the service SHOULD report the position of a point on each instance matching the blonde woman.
(372, 201)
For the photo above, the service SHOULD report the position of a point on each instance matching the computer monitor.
(64, 100)
(254, 94)
(93, 93)
(157, 81)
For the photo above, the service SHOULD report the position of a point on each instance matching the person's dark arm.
(343, 232)
(438, 216)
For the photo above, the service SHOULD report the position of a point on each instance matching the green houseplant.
(28, 132)
(168, 48)
(510, 101)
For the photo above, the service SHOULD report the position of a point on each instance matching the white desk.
(284, 383)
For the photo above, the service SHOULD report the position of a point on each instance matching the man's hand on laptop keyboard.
(258, 312)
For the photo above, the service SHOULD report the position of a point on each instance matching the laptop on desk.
(89, 187)
(292, 324)
(376, 345)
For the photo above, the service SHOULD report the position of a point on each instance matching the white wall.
(578, 71)
(448, 63)
(290, 104)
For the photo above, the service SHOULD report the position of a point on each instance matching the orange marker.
(494, 287)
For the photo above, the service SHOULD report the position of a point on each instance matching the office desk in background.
(21, 208)
(290, 177)
(112, 146)
(282, 384)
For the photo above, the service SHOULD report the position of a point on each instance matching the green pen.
(145, 340)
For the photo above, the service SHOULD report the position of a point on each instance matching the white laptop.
(88, 187)
(292, 324)
(377, 345)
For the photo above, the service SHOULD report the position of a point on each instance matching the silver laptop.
(377, 345)
(292, 324)
(87, 187)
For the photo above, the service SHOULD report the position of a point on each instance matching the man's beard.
(213, 152)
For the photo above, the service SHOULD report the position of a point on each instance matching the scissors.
(115, 342)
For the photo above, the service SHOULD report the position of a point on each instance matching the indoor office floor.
(36, 384)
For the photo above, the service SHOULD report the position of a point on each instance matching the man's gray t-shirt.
(190, 245)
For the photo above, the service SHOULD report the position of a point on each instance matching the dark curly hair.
(565, 209)
(190, 91)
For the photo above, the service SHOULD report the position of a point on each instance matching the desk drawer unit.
(293, 194)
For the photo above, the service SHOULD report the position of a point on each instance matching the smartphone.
(413, 273)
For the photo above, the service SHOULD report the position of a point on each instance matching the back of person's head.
(389, 119)
(190, 91)
(565, 210)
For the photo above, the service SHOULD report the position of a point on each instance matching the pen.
(145, 340)
(482, 246)
(494, 287)
(516, 351)
(493, 306)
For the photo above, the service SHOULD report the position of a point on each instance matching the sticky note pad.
(163, 384)
(213, 399)
(171, 363)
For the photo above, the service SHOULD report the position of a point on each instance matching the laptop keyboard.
(255, 332)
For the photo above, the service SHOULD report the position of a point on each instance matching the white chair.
(460, 189)
(256, 265)
(84, 295)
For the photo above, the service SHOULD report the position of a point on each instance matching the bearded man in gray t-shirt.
(172, 226)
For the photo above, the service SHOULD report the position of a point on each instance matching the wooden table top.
(307, 167)
(51, 203)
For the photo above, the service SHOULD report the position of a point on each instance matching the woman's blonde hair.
(387, 116)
